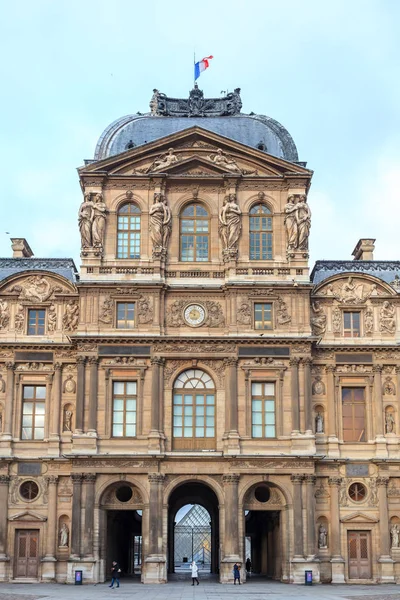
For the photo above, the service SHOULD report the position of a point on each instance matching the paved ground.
(205, 591)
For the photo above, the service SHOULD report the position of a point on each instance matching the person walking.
(115, 574)
(248, 566)
(236, 573)
(195, 572)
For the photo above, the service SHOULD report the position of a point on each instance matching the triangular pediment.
(27, 515)
(359, 517)
(195, 151)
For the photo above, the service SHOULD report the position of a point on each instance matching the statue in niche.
(318, 320)
(319, 423)
(85, 219)
(69, 386)
(369, 321)
(67, 420)
(390, 424)
(387, 321)
(71, 316)
(230, 220)
(395, 535)
(99, 220)
(163, 161)
(4, 314)
(318, 386)
(2, 384)
(160, 224)
(322, 537)
(64, 536)
(389, 387)
(224, 161)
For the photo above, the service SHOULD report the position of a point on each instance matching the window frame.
(350, 330)
(260, 231)
(183, 218)
(264, 398)
(125, 302)
(129, 231)
(353, 387)
(37, 310)
(34, 401)
(194, 443)
(261, 302)
(124, 397)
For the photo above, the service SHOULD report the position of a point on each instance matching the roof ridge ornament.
(196, 105)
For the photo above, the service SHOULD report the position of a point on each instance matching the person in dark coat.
(248, 565)
(115, 574)
(236, 573)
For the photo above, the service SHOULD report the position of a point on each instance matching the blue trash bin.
(308, 577)
(78, 577)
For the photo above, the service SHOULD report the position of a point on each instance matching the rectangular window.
(125, 315)
(263, 410)
(262, 316)
(353, 410)
(33, 412)
(351, 324)
(36, 322)
(124, 408)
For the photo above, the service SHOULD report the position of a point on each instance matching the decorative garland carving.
(214, 318)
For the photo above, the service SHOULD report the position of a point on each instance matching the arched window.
(128, 231)
(194, 235)
(260, 233)
(193, 411)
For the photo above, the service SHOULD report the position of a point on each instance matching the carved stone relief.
(106, 311)
(369, 320)
(145, 309)
(282, 314)
(297, 223)
(244, 313)
(34, 366)
(224, 161)
(37, 288)
(195, 105)
(214, 316)
(353, 369)
(336, 320)
(396, 283)
(51, 318)
(318, 386)
(389, 389)
(71, 316)
(163, 161)
(213, 346)
(351, 291)
(69, 385)
(318, 319)
(4, 314)
(92, 221)
(2, 384)
(387, 318)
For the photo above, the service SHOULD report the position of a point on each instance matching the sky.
(328, 71)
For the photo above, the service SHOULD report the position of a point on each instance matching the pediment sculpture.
(223, 160)
(37, 288)
(163, 161)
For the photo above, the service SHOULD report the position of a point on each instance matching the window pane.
(210, 432)
(40, 391)
(177, 431)
(199, 432)
(118, 417)
(26, 433)
(39, 421)
(118, 405)
(269, 389)
(256, 389)
(28, 408)
(131, 387)
(39, 433)
(257, 431)
(187, 432)
(257, 418)
(131, 430)
(131, 405)
(28, 391)
(27, 421)
(40, 408)
(118, 430)
(269, 431)
(118, 387)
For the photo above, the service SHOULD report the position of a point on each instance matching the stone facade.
(321, 501)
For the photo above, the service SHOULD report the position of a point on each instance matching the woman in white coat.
(195, 572)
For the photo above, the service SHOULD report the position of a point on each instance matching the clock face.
(194, 315)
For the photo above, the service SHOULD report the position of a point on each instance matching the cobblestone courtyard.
(205, 591)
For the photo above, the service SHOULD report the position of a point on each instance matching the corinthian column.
(336, 553)
(308, 396)
(377, 369)
(310, 487)
(155, 513)
(231, 483)
(297, 515)
(89, 481)
(80, 393)
(76, 515)
(52, 534)
(93, 370)
(9, 400)
(56, 404)
(330, 370)
(294, 365)
(385, 560)
(4, 483)
(231, 391)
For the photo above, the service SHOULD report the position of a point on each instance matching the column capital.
(77, 477)
(80, 360)
(231, 478)
(89, 477)
(294, 361)
(157, 360)
(57, 366)
(382, 481)
(156, 478)
(52, 479)
(93, 360)
(330, 368)
(231, 361)
(335, 481)
(307, 360)
(377, 368)
(397, 369)
(296, 478)
(310, 479)
(4, 479)
(10, 365)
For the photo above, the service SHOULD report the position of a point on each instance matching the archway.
(190, 506)
(263, 530)
(121, 518)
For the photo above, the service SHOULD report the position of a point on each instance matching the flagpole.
(194, 64)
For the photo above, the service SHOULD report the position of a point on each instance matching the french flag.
(201, 66)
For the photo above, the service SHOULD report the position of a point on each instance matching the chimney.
(364, 249)
(21, 248)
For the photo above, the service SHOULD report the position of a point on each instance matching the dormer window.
(128, 231)
(260, 233)
(194, 234)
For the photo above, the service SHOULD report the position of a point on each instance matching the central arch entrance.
(193, 528)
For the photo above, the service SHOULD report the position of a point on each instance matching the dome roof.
(220, 115)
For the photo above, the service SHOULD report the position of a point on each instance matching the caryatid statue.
(297, 223)
(85, 219)
(160, 224)
(230, 228)
(99, 220)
